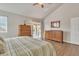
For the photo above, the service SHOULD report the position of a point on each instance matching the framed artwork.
(55, 24)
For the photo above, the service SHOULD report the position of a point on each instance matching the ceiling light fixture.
(41, 5)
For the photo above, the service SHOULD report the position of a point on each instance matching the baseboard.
(71, 42)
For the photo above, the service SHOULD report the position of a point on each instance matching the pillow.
(2, 46)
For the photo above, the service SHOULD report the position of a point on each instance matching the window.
(3, 23)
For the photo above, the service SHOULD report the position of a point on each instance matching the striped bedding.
(27, 46)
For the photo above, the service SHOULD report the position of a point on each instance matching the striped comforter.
(26, 46)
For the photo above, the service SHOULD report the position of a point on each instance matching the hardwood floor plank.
(65, 49)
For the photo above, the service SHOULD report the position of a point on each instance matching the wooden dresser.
(55, 35)
(24, 30)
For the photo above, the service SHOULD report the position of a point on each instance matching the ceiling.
(28, 10)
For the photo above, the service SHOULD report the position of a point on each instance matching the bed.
(27, 46)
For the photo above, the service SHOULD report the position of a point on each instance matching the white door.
(75, 30)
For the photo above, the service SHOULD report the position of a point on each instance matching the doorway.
(36, 31)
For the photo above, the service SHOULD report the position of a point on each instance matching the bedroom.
(17, 14)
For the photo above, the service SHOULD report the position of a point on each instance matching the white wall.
(64, 13)
(13, 22)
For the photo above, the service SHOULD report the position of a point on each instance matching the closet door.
(75, 30)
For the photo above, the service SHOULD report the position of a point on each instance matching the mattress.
(27, 46)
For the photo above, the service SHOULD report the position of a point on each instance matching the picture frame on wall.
(55, 24)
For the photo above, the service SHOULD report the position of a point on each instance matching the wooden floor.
(66, 49)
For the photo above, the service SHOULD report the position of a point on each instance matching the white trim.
(71, 42)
